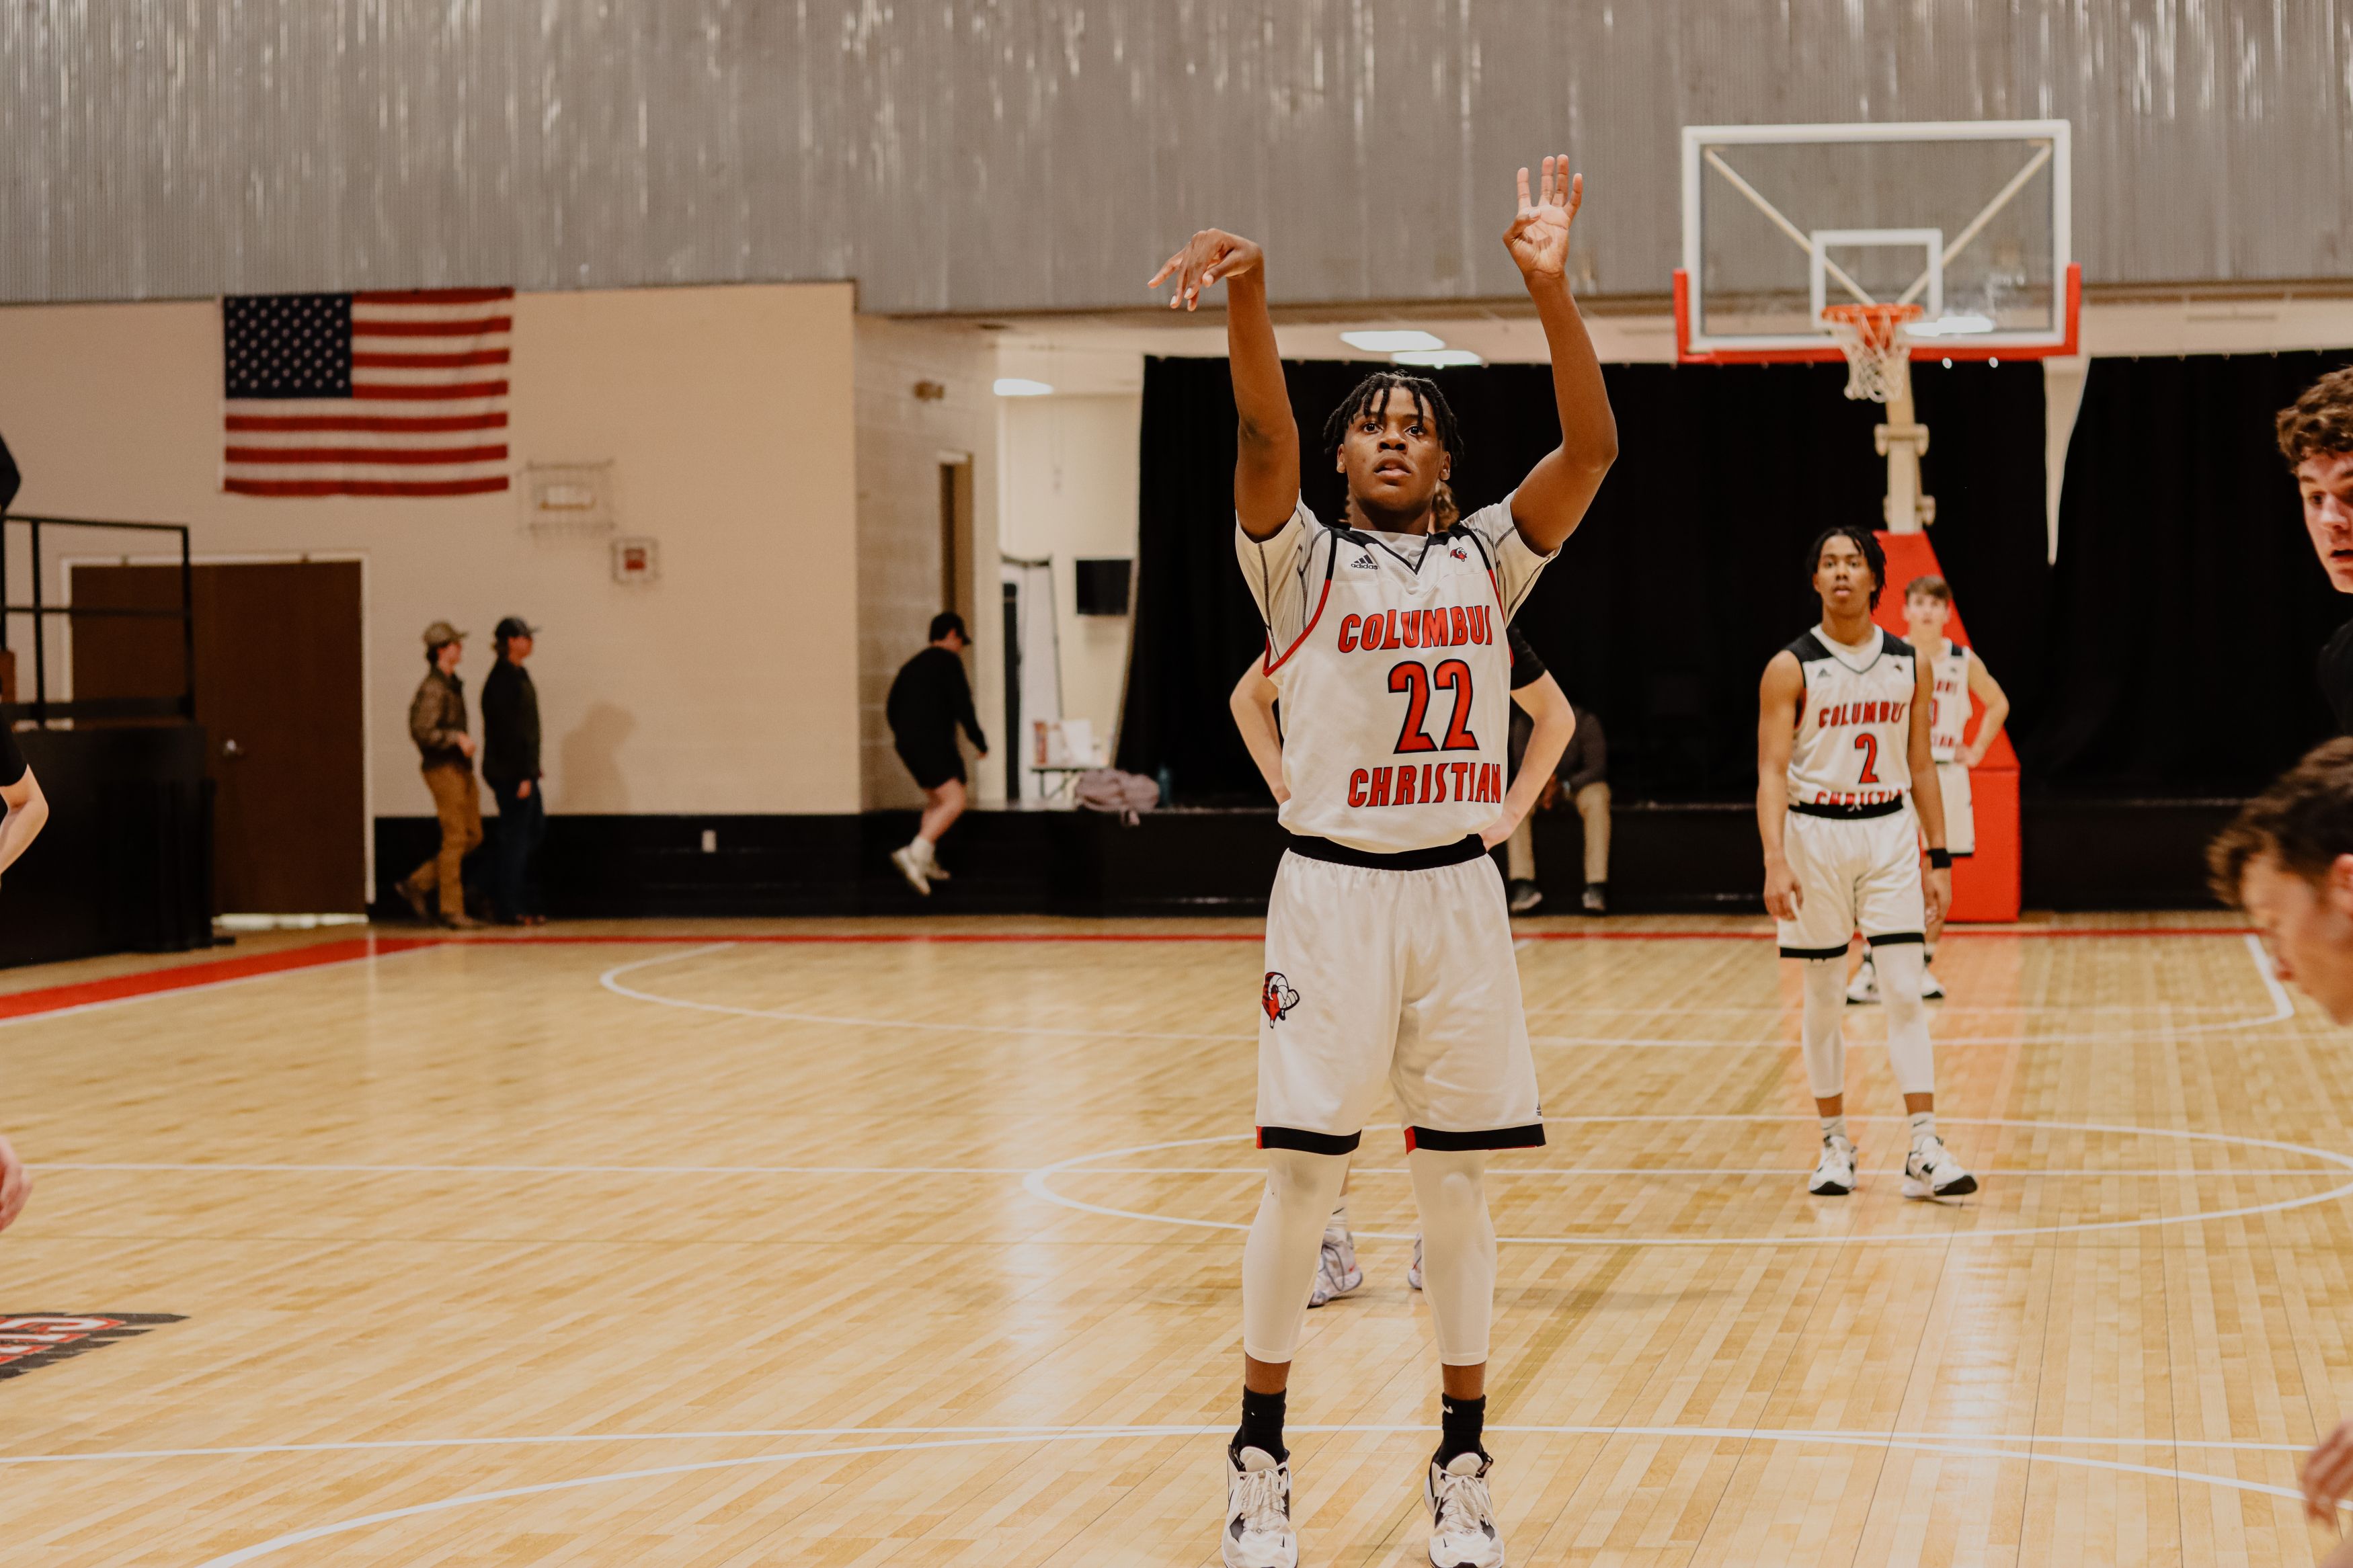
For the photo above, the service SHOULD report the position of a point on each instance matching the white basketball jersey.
(1854, 722)
(1948, 716)
(1397, 688)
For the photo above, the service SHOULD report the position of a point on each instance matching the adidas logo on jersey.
(1364, 562)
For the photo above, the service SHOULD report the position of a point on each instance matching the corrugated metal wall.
(963, 155)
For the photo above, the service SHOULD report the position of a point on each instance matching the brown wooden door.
(279, 685)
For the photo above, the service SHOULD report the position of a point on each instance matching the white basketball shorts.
(1398, 980)
(1854, 874)
(1960, 814)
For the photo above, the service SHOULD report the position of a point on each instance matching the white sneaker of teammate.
(1413, 1270)
(1258, 1511)
(1833, 1175)
(1463, 1533)
(933, 870)
(909, 861)
(1931, 1172)
(1865, 987)
(1337, 1272)
(1931, 988)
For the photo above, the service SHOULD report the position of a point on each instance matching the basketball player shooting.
(1842, 734)
(1389, 949)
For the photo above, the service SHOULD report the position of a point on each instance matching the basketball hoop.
(1878, 355)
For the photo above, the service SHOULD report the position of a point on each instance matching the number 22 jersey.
(1390, 654)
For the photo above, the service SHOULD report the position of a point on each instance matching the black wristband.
(1940, 860)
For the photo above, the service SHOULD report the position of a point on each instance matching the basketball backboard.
(1966, 219)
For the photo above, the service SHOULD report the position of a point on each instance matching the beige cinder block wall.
(730, 685)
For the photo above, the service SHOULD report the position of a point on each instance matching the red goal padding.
(1986, 886)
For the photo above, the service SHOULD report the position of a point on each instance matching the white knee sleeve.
(1285, 1240)
(1825, 1011)
(1458, 1250)
(1910, 1057)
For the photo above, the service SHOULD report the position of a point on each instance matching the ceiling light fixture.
(1016, 387)
(1384, 342)
(1437, 359)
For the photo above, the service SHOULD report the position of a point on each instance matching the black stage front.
(1666, 858)
(125, 863)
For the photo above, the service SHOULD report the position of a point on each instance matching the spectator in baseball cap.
(510, 763)
(436, 722)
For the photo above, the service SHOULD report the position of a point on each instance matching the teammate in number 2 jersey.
(1843, 762)
(1389, 949)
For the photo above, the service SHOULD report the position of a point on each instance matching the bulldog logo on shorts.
(1277, 997)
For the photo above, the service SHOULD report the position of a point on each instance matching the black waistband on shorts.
(1460, 853)
(1846, 813)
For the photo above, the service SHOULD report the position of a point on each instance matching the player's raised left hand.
(1538, 238)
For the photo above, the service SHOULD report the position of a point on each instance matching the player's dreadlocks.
(1373, 392)
(1872, 555)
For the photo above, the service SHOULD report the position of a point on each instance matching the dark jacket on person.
(436, 717)
(1586, 758)
(929, 699)
(509, 726)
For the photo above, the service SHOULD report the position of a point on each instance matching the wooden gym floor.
(837, 1243)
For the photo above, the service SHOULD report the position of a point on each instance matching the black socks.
(1261, 1425)
(1460, 1423)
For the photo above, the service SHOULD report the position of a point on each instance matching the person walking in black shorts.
(930, 697)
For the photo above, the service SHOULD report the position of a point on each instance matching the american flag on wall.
(366, 394)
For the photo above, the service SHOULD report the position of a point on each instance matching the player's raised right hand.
(1208, 256)
(1781, 894)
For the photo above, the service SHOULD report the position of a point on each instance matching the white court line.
(1255, 1173)
(559, 1170)
(1963, 1447)
(1509, 1172)
(1178, 1430)
(610, 980)
(1038, 1184)
(2284, 1007)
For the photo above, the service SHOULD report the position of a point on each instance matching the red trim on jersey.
(1318, 616)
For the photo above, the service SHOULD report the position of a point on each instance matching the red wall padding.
(1986, 886)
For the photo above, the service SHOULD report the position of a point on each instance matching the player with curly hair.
(1388, 948)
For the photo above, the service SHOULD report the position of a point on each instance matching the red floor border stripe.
(193, 976)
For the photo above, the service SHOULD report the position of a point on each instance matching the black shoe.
(1523, 895)
(1596, 899)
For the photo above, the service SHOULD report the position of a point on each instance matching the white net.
(1878, 353)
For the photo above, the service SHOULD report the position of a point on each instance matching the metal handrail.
(41, 710)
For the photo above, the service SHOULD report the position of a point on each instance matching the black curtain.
(1687, 574)
(2186, 607)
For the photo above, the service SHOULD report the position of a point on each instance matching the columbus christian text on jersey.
(1390, 654)
(1949, 715)
(1854, 722)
